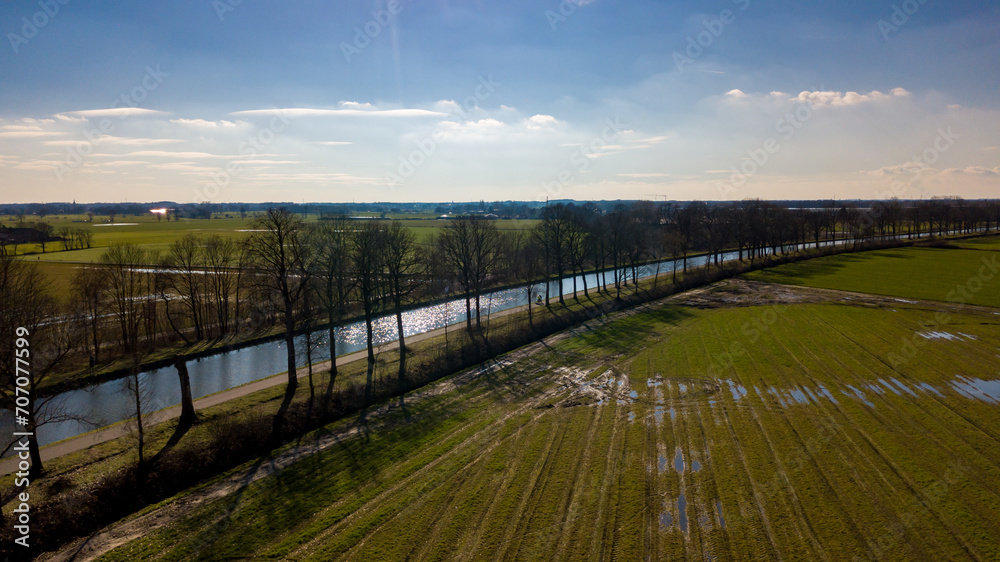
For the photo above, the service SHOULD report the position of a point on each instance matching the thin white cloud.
(542, 122)
(116, 140)
(171, 154)
(117, 112)
(973, 171)
(356, 105)
(120, 163)
(30, 134)
(313, 112)
(649, 175)
(185, 167)
(840, 99)
(204, 124)
(333, 143)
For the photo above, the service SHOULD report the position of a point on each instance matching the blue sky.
(587, 99)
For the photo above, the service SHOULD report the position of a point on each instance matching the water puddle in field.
(738, 390)
(631, 416)
(681, 505)
(633, 395)
(666, 519)
(695, 466)
(860, 395)
(679, 461)
(718, 507)
(662, 464)
(944, 336)
(799, 396)
(658, 414)
(986, 391)
(928, 388)
(811, 395)
(653, 383)
(673, 414)
(903, 387)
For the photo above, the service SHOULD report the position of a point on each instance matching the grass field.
(743, 421)
(913, 273)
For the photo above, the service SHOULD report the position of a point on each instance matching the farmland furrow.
(762, 533)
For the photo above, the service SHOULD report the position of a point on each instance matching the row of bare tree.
(301, 276)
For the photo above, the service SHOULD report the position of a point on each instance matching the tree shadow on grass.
(628, 335)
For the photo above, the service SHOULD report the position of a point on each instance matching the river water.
(107, 403)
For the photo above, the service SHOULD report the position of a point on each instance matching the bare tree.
(187, 279)
(89, 292)
(31, 347)
(400, 271)
(221, 257)
(330, 240)
(279, 255)
(124, 267)
(367, 258)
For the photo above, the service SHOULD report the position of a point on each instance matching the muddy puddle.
(718, 507)
(679, 461)
(978, 389)
(981, 390)
(946, 336)
(666, 519)
(658, 414)
(681, 506)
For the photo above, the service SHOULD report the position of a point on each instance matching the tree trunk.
(371, 356)
(188, 415)
(402, 343)
(332, 331)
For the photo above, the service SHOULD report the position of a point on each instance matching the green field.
(158, 235)
(937, 274)
(744, 421)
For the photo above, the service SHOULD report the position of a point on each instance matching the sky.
(441, 100)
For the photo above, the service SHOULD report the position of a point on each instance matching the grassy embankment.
(554, 457)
